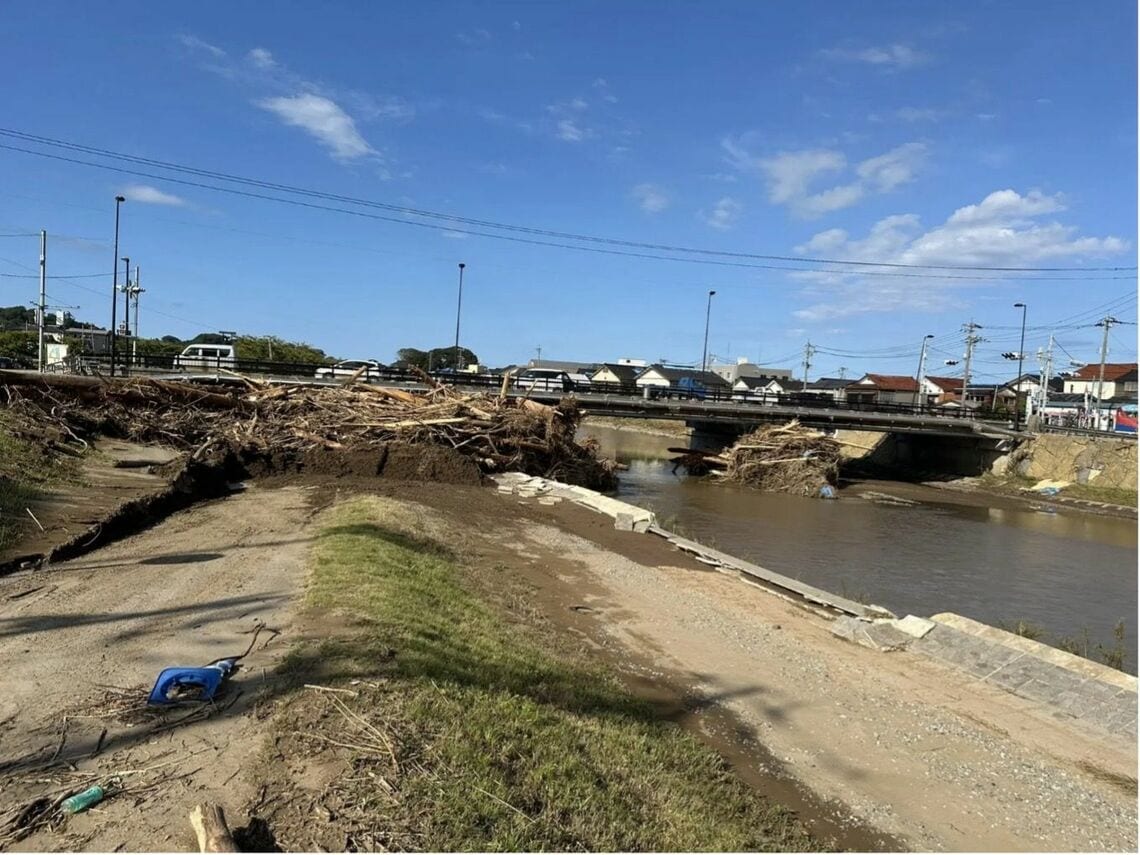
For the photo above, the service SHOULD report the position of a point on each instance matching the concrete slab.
(914, 626)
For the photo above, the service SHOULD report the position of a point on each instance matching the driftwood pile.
(498, 432)
(787, 458)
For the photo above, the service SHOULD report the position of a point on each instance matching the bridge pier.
(714, 436)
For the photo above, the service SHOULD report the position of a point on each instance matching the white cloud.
(1003, 230)
(569, 131)
(474, 38)
(148, 195)
(790, 173)
(516, 26)
(195, 43)
(324, 120)
(261, 58)
(792, 176)
(651, 198)
(724, 214)
(986, 117)
(898, 166)
(895, 56)
(835, 199)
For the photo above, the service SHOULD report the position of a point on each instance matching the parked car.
(206, 357)
(6, 362)
(371, 370)
(544, 380)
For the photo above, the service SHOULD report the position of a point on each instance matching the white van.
(206, 357)
(544, 380)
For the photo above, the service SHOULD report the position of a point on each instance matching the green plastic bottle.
(81, 801)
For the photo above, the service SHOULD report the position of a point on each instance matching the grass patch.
(1019, 485)
(498, 741)
(27, 469)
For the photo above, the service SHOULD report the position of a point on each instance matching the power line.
(452, 218)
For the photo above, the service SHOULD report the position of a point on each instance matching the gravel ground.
(919, 750)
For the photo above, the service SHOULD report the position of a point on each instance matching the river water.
(991, 559)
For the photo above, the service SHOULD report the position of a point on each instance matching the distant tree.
(172, 339)
(20, 346)
(15, 317)
(436, 359)
(440, 358)
(271, 348)
(413, 356)
(168, 345)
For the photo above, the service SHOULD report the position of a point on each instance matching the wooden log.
(209, 824)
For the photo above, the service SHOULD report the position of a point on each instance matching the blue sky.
(983, 134)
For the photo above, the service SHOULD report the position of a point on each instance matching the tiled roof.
(946, 384)
(624, 373)
(887, 383)
(1112, 371)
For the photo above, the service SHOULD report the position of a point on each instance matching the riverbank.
(653, 427)
(535, 609)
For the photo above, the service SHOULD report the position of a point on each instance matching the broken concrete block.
(642, 526)
(877, 635)
(914, 626)
(623, 522)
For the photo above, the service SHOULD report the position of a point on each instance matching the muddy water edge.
(912, 548)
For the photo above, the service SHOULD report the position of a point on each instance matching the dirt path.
(186, 592)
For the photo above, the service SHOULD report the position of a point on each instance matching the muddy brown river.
(992, 559)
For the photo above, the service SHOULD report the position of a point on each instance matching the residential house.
(828, 387)
(616, 375)
(732, 372)
(661, 376)
(1119, 379)
(985, 396)
(941, 390)
(882, 389)
(758, 388)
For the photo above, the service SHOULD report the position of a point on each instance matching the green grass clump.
(502, 741)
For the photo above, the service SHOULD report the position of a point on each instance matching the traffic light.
(950, 362)
(1011, 354)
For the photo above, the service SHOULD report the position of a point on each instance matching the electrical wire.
(450, 218)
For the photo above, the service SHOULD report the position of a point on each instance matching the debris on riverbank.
(498, 433)
(787, 458)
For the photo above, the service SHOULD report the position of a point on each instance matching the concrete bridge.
(731, 416)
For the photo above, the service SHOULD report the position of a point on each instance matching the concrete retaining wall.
(1102, 462)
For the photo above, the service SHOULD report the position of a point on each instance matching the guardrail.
(220, 369)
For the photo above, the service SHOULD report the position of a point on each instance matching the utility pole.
(135, 291)
(458, 309)
(1020, 368)
(705, 351)
(842, 372)
(971, 340)
(1107, 323)
(921, 368)
(127, 309)
(809, 352)
(1045, 363)
(43, 300)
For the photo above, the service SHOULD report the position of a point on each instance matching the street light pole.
(1020, 362)
(119, 200)
(458, 309)
(705, 352)
(127, 310)
(921, 368)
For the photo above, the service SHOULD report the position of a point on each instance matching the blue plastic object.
(827, 492)
(196, 684)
